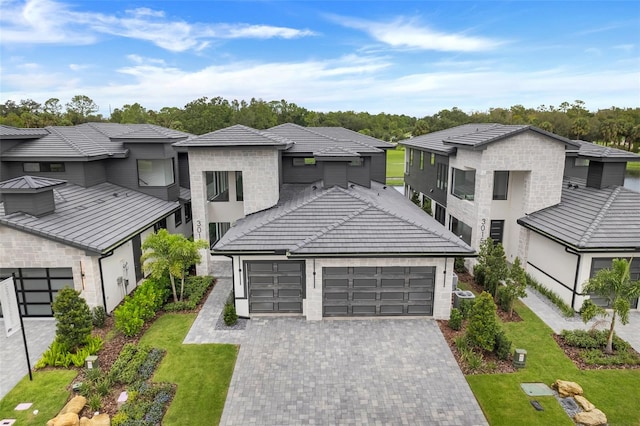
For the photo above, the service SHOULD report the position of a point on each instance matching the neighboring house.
(557, 204)
(305, 218)
(77, 203)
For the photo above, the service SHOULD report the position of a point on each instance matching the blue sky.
(402, 57)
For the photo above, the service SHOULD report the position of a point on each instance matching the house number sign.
(199, 228)
(482, 228)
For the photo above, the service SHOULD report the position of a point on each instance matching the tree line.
(619, 126)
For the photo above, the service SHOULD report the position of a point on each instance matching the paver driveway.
(293, 372)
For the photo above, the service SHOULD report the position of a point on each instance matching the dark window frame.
(145, 184)
(188, 213)
(500, 185)
(177, 217)
(217, 231)
(239, 186)
(45, 167)
(217, 185)
(440, 213)
(467, 189)
(21, 279)
(161, 224)
(442, 176)
(421, 160)
(461, 229)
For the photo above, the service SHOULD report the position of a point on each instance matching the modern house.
(557, 204)
(77, 202)
(305, 220)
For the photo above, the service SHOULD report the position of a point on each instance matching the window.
(37, 288)
(43, 167)
(161, 224)
(441, 176)
(440, 213)
(580, 162)
(421, 160)
(411, 156)
(217, 186)
(464, 184)
(496, 230)
(357, 162)
(433, 159)
(461, 229)
(307, 161)
(216, 231)
(177, 216)
(155, 172)
(239, 187)
(500, 185)
(187, 212)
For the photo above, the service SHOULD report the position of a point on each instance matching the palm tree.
(157, 258)
(615, 285)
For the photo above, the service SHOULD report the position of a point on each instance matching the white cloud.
(625, 47)
(52, 22)
(409, 33)
(79, 67)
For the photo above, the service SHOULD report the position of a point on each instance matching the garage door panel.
(290, 292)
(262, 306)
(288, 267)
(289, 307)
(295, 280)
(275, 286)
(378, 291)
(261, 293)
(260, 267)
(260, 280)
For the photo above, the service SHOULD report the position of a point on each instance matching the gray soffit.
(337, 221)
(237, 136)
(474, 136)
(29, 184)
(590, 218)
(94, 219)
(312, 140)
(594, 151)
(10, 132)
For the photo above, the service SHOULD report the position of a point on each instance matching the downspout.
(104, 296)
(575, 279)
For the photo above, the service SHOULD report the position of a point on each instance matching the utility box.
(454, 282)
(519, 358)
(91, 362)
(460, 295)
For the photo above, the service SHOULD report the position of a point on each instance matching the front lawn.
(615, 392)
(48, 392)
(202, 372)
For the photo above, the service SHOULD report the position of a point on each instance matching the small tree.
(157, 257)
(515, 285)
(615, 285)
(73, 318)
(184, 255)
(483, 323)
(492, 265)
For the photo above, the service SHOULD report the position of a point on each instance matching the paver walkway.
(13, 363)
(349, 372)
(554, 319)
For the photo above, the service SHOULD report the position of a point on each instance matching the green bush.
(99, 316)
(73, 318)
(58, 355)
(465, 306)
(183, 305)
(502, 347)
(503, 298)
(455, 320)
(592, 339)
(483, 323)
(478, 274)
(196, 287)
(128, 319)
(567, 310)
(125, 368)
(598, 357)
(230, 315)
(458, 265)
(473, 360)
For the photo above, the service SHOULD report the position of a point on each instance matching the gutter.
(104, 296)
(575, 279)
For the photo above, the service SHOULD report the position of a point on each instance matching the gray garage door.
(37, 288)
(275, 287)
(378, 291)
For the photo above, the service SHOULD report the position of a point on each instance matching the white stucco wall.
(119, 264)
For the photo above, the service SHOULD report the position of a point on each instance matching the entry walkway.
(548, 313)
(13, 362)
(291, 371)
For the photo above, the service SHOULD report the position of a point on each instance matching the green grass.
(48, 393)
(395, 167)
(202, 372)
(632, 166)
(615, 392)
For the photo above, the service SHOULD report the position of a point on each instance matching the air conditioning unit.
(454, 282)
(460, 295)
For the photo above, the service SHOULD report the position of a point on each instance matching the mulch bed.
(574, 354)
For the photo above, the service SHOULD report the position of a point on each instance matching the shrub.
(483, 324)
(465, 306)
(58, 355)
(458, 265)
(478, 274)
(474, 360)
(127, 366)
(455, 320)
(567, 310)
(592, 339)
(99, 316)
(73, 318)
(94, 402)
(183, 305)
(230, 315)
(502, 347)
(196, 287)
(128, 319)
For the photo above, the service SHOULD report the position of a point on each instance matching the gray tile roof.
(24, 184)
(95, 218)
(312, 140)
(185, 194)
(337, 221)
(142, 132)
(237, 136)
(474, 136)
(10, 132)
(594, 151)
(590, 218)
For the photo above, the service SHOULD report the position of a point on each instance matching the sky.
(399, 57)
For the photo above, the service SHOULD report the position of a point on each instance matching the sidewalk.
(548, 313)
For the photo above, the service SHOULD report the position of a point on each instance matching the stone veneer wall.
(23, 250)
(260, 180)
(538, 155)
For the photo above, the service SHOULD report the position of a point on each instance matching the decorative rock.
(97, 420)
(594, 417)
(122, 398)
(76, 405)
(584, 403)
(566, 388)
(66, 419)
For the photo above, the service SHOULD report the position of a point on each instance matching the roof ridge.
(600, 217)
(331, 227)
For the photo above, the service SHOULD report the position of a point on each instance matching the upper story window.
(421, 160)
(216, 231)
(188, 214)
(239, 187)
(43, 167)
(461, 229)
(442, 176)
(580, 162)
(500, 185)
(155, 172)
(177, 217)
(161, 224)
(217, 186)
(356, 162)
(464, 184)
(411, 156)
(306, 161)
(433, 159)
